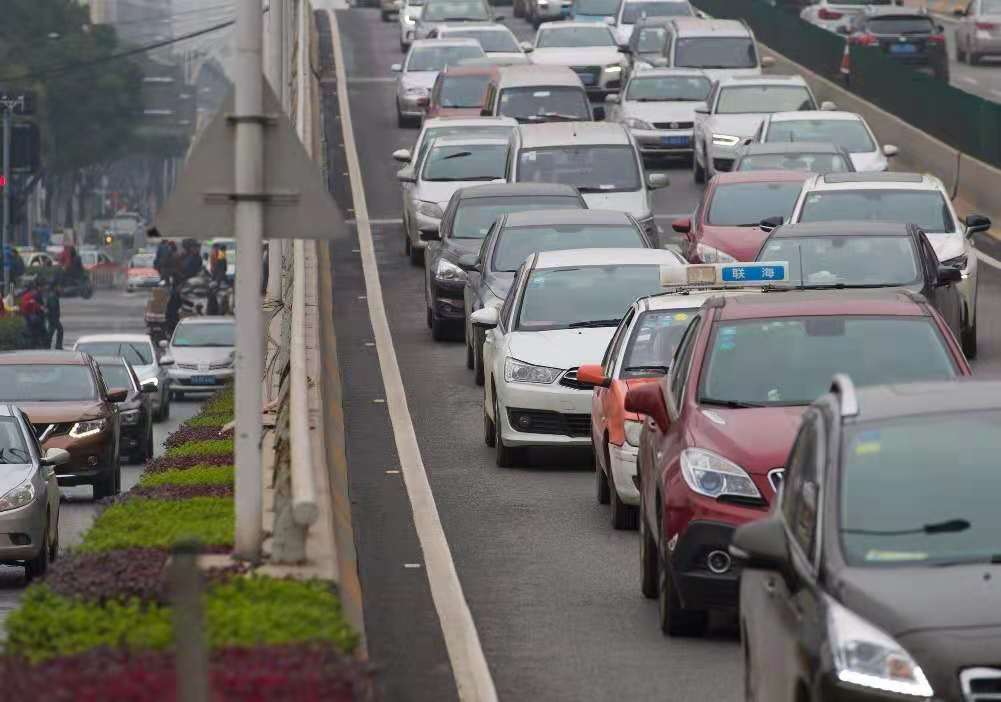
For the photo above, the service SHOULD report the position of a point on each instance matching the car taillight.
(864, 39)
(986, 26)
(826, 14)
(937, 39)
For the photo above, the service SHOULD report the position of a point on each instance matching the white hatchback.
(844, 129)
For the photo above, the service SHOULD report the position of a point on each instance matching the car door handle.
(771, 588)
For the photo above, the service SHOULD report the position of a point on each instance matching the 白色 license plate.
(202, 380)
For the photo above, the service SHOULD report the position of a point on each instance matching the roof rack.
(844, 388)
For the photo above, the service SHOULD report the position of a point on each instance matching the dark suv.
(910, 37)
(875, 575)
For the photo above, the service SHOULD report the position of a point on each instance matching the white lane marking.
(989, 260)
(378, 222)
(469, 664)
(968, 80)
(371, 79)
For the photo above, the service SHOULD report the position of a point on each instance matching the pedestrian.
(191, 260)
(31, 309)
(53, 316)
(168, 266)
(219, 263)
(162, 252)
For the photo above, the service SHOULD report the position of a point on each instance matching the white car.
(909, 198)
(587, 48)
(845, 129)
(204, 356)
(449, 163)
(500, 127)
(831, 14)
(630, 12)
(498, 42)
(420, 69)
(561, 312)
(150, 365)
(410, 10)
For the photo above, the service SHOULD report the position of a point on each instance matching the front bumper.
(409, 106)
(183, 379)
(545, 415)
(721, 158)
(448, 299)
(137, 283)
(664, 142)
(90, 457)
(21, 531)
(623, 467)
(422, 220)
(699, 587)
(132, 437)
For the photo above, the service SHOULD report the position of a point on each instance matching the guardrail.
(304, 508)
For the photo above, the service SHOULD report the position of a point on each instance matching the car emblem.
(901, 39)
(203, 366)
(673, 125)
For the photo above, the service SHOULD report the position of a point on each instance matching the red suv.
(725, 227)
(718, 429)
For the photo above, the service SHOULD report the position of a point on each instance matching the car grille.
(981, 684)
(569, 380)
(589, 75)
(188, 366)
(219, 365)
(673, 125)
(546, 422)
(775, 478)
(56, 429)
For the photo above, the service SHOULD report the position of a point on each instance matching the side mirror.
(599, 112)
(402, 155)
(828, 106)
(396, 67)
(468, 262)
(117, 395)
(163, 344)
(485, 318)
(423, 101)
(648, 399)
(948, 275)
(770, 223)
(592, 374)
(761, 545)
(500, 18)
(527, 47)
(625, 49)
(701, 15)
(702, 109)
(430, 233)
(406, 175)
(767, 61)
(682, 225)
(656, 181)
(659, 62)
(486, 112)
(889, 150)
(166, 360)
(976, 223)
(55, 457)
(149, 387)
(612, 99)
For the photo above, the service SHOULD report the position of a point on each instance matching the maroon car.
(460, 91)
(718, 429)
(725, 227)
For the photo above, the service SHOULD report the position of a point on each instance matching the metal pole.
(190, 650)
(249, 218)
(276, 71)
(5, 232)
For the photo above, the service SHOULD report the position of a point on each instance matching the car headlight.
(725, 140)
(416, 91)
(866, 656)
(712, 475)
(633, 431)
(81, 430)
(959, 262)
(516, 371)
(446, 270)
(429, 209)
(710, 254)
(614, 69)
(20, 496)
(634, 123)
(130, 418)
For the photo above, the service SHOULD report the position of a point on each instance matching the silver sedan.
(979, 31)
(420, 69)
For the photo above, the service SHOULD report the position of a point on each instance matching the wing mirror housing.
(402, 155)
(828, 106)
(976, 223)
(948, 275)
(889, 150)
(485, 318)
(702, 109)
(468, 262)
(118, 395)
(527, 47)
(406, 175)
(625, 49)
(770, 223)
(166, 360)
(592, 374)
(656, 181)
(396, 67)
(767, 61)
(682, 225)
(163, 344)
(56, 457)
(762, 545)
(648, 399)
(599, 113)
(612, 99)
(429, 232)
(149, 387)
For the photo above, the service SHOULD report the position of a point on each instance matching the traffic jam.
(769, 387)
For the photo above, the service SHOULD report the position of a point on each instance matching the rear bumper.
(663, 142)
(623, 467)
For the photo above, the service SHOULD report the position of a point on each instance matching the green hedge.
(12, 330)
(142, 523)
(199, 475)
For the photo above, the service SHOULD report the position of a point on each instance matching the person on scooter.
(53, 316)
(33, 313)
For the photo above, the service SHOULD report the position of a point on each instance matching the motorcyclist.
(34, 316)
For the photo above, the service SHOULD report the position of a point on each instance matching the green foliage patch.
(141, 523)
(199, 475)
(208, 447)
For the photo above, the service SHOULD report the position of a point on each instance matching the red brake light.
(936, 39)
(864, 39)
(826, 14)
(986, 26)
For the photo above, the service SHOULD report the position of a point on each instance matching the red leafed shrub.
(181, 492)
(263, 674)
(158, 465)
(185, 434)
(134, 572)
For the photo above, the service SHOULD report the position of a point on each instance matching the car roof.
(516, 190)
(459, 140)
(534, 75)
(728, 81)
(208, 320)
(465, 69)
(565, 24)
(44, 358)
(821, 115)
(469, 122)
(881, 402)
(458, 41)
(572, 134)
(669, 72)
(845, 228)
(699, 27)
(727, 177)
(98, 338)
(791, 147)
(874, 181)
(605, 257)
(565, 216)
(823, 303)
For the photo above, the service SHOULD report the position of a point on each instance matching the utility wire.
(183, 15)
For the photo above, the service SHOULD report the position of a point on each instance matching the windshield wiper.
(550, 116)
(595, 323)
(458, 154)
(593, 189)
(993, 558)
(634, 369)
(949, 526)
(731, 404)
(460, 180)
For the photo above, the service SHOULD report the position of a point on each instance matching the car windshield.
(896, 508)
(653, 341)
(514, 244)
(597, 8)
(144, 260)
(469, 130)
(746, 204)
(925, 208)
(651, 40)
(465, 162)
(850, 134)
(490, 39)
(592, 169)
(13, 450)
(794, 358)
(810, 162)
(901, 25)
(764, 99)
(116, 376)
(138, 353)
(473, 216)
(542, 104)
(435, 58)
(668, 89)
(847, 260)
(560, 298)
(455, 10)
(633, 11)
(463, 91)
(563, 37)
(715, 52)
(200, 335)
(46, 383)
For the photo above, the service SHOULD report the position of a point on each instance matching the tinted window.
(490, 39)
(795, 357)
(746, 204)
(435, 58)
(138, 353)
(897, 506)
(654, 340)
(514, 244)
(812, 163)
(203, 335)
(683, 360)
(463, 91)
(925, 208)
(849, 134)
(474, 215)
(558, 298)
(596, 7)
(12, 446)
(651, 40)
(46, 383)
(764, 98)
(473, 132)
(466, 163)
(669, 88)
(633, 11)
(589, 168)
(847, 260)
(901, 25)
(540, 104)
(574, 36)
(715, 52)
(116, 376)
(443, 10)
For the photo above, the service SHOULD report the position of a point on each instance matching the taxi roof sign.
(722, 275)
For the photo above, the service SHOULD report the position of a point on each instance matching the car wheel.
(439, 328)
(469, 354)
(478, 357)
(108, 485)
(37, 566)
(165, 407)
(54, 546)
(675, 620)
(416, 254)
(600, 481)
(428, 316)
(489, 433)
(648, 559)
(973, 57)
(517, 9)
(401, 121)
(698, 172)
(384, 15)
(507, 457)
(968, 339)
(148, 449)
(623, 516)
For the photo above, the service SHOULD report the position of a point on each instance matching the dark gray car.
(514, 237)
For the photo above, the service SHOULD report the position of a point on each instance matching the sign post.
(11, 104)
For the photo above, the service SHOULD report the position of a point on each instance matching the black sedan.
(911, 37)
(877, 575)
(136, 411)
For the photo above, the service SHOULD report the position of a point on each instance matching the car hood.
(12, 475)
(660, 111)
(947, 244)
(742, 243)
(441, 192)
(743, 125)
(868, 161)
(511, 58)
(454, 248)
(200, 354)
(758, 439)
(418, 79)
(718, 74)
(634, 202)
(560, 348)
(62, 412)
(577, 56)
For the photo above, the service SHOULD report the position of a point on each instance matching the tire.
(164, 414)
(478, 375)
(674, 619)
(54, 548)
(37, 566)
(489, 432)
(648, 559)
(148, 448)
(973, 58)
(109, 485)
(385, 16)
(507, 457)
(968, 340)
(416, 254)
(428, 316)
(87, 293)
(517, 9)
(600, 480)
(960, 54)
(698, 172)
(624, 517)
(401, 121)
(406, 239)
(470, 356)
(439, 328)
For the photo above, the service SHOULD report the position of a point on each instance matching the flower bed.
(100, 627)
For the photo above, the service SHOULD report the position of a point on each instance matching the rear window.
(444, 10)
(901, 25)
(605, 8)
(849, 134)
(544, 103)
(847, 260)
(715, 52)
(811, 163)
(490, 39)
(575, 36)
(435, 58)
(764, 99)
(474, 216)
(746, 204)
(668, 89)
(925, 208)
(591, 169)
(633, 11)
(463, 91)
(515, 244)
